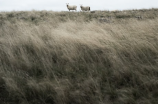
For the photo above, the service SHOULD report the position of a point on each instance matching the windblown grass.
(72, 58)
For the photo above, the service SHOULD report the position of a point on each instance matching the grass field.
(100, 57)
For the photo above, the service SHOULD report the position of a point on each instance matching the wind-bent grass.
(67, 58)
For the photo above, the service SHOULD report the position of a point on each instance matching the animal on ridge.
(71, 7)
(85, 8)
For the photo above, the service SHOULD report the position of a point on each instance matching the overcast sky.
(60, 5)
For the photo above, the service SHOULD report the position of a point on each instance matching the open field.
(100, 57)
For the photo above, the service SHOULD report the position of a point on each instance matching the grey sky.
(60, 5)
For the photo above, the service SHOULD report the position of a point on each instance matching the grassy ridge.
(79, 57)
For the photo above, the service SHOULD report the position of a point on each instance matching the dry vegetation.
(100, 57)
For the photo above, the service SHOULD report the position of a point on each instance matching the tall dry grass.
(72, 58)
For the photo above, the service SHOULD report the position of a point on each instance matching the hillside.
(97, 57)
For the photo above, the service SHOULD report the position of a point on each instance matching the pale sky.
(60, 5)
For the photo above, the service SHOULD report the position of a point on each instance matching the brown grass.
(73, 58)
